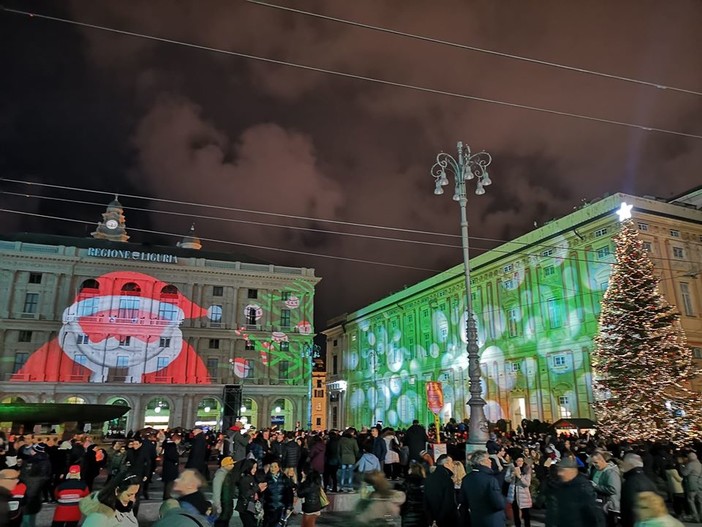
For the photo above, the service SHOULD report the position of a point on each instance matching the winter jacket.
(197, 458)
(380, 448)
(692, 474)
(416, 440)
(348, 450)
(391, 455)
(367, 463)
(312, 494)
(217, 484)
(100, 515)
(332, 451)
(68, 494)
(519, 487)
(248, 487)
(440, 497)
(170, 462)
(239, 443)
(674, 481)
(412, 510)
(291, 454)
(482, 496)
(574, 504)
(279, 493)
(317, 455)
(608, 486)
(635, 481)
(35, 473)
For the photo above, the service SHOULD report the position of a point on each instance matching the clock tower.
(112, 227)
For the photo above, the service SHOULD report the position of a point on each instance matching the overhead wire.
(347, 75)
(566, 290)
(476, 49)
(539, 247)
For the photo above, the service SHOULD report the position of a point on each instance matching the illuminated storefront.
(537, 302)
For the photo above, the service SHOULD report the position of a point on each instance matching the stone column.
(136, 414)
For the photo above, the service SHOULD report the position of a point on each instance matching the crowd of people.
(266, 476)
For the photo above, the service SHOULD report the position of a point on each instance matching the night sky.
(87, 108)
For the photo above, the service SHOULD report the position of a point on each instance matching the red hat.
(74, 469)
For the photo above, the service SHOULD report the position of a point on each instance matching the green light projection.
(536, 320)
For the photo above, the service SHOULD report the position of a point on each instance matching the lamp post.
(464, 167)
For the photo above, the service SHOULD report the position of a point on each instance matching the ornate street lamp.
(467, 166)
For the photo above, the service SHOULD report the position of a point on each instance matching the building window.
(335, 343)
(554, 313)
(215, 314)
(679, 253)
(88, 307)
(20, 359)
(675, 233)
(249, 345)
(214, 344)
(603, 252)
(79, 362)
(547, 253)
(648, 247)
(161, 363)
(25, 336)
(31, 302)
(35, 278)
(283, 369)
(285, 295)
(514, 367)
(319, 383)
(253, 293)
(122, 361)
(212, 367)
(508, 268)
(167, 311)
(319, 421)
(600, 232)
(82, 339)
(217, 290)
(164, 342)
(249, 369)
(643, 226)
(549, 270)
(697, 353)
(285, 318)
(564, 405)
(125, 340)
(335, 365)
(512, 321)
(559, 361)
(686, 299)
(508, 284)
(285, 345)
(129, 307)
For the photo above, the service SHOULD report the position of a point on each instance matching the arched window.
(129, 301)
(89, 287)
(168, 308)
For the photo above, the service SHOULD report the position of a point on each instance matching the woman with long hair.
(113, 505)
(519, 478)
(249, 494)
(311, 490)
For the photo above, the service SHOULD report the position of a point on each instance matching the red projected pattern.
(123, 327)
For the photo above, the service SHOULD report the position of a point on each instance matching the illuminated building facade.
(159, 329)
(537, 302)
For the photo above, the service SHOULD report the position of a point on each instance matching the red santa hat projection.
(127, 321)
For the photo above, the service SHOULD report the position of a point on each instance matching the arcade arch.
(281, 413)
(249, 411)
(209, 413)
(158, 413)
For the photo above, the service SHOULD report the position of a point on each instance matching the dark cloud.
(89, 108)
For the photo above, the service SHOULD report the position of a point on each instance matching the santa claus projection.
(122, 327)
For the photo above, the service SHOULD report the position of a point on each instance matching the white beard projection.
(142, 344)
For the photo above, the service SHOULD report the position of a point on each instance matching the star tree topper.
(624, 211)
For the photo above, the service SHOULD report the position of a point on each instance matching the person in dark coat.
(379, 447)
(249, 491)
(278, 497)
(311, 489)
(197, 458)
(481, 499)
(291, 456)
(574, 502)
(316, 453)
(149, 448)
(35, 472)
(440, 496)
(635, 481)
(412, 511)
(170, 463)
(416, 440)
(238, 441)
(331, 463)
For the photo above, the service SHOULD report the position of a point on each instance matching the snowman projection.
(125, 328)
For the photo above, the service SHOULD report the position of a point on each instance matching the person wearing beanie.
(219, 494)
(635, 481)
(68, 494)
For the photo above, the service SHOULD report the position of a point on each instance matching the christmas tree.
(641, 363)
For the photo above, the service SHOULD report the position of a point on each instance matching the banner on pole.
(435, 396)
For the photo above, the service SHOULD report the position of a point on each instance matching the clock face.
(111, 224)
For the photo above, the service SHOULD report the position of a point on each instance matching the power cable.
(537, 246)
(359, 77)
(512, 56)
(214, 240)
